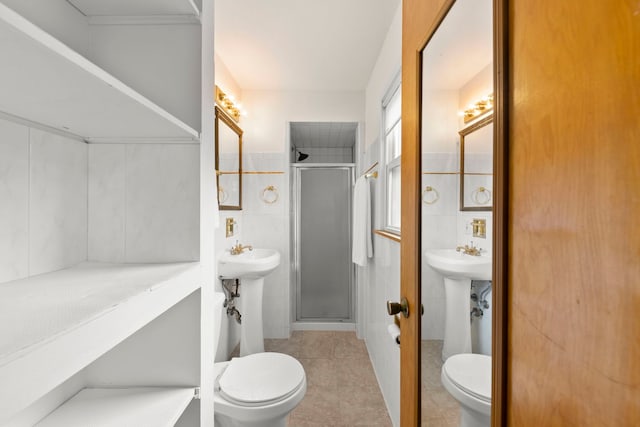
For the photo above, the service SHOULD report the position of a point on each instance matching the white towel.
(362, 244)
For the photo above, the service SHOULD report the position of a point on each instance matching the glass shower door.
(323, 247)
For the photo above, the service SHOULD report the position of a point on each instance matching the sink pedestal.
(457, 324)
(251, 331)
(458, 270)
(250, 267)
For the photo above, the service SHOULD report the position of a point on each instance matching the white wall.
(266, 148)
(58, 18)
(225, 81)
(43, 187)
(270, 111)
(153, 60)
(443, 224)
(387, 67)
(144, 202)
(380, 280)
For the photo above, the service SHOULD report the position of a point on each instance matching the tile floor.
(342, 390)
(439, 409)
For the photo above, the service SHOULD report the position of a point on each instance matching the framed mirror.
(228, 137)
(455, 133)
(476, 166)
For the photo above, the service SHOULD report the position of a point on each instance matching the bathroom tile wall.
(148, 209)
(57, 202)
(14, 193)
(262, 225)
(379, 282)
(44, 189)
(444, 226)
(229, 329)
(267, 225)
(439, 228)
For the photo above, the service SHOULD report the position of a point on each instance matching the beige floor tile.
(317, 345)
(290, 347)
(355, 372)
(319, 405)
(320, 372)
(342, 390)
(348, 346)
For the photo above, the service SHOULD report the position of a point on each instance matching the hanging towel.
(362, 244)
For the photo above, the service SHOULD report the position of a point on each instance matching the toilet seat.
(260, 379)
(471, 373)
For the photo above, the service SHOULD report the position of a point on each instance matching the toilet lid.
(261, 378)
(471, 373)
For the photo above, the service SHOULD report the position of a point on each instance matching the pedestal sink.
(458, 270)
(250, 267)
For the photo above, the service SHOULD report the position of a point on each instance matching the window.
(392, 147)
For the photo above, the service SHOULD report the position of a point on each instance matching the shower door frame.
(296, 170)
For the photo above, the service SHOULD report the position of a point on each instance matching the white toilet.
(467, 377)
(260, 389)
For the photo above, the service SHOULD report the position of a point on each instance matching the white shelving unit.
(44, 81)
(92, 307)
(151, 406)
(137, 7)
(56, 327)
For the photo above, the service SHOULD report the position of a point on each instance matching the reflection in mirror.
(476, 166)
(457, 71)
(228, 162)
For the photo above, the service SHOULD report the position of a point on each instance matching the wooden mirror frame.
(419, 21)
(486, 121)
(226, 120)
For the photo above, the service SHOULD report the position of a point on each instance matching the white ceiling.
(461, 47)
(301, 44)
(323, 134)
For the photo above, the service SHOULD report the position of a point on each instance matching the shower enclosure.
(323, 270)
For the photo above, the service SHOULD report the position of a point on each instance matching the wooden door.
(574, 232)
(418, 17)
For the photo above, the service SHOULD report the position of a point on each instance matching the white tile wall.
(382, 284)
(14, 196)
(107, 189)
(267, 225)
(152, 194)
(443, 226)
(57, 202)
(163, 203)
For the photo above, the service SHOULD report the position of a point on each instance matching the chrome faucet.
(469, 250)
(238, 248)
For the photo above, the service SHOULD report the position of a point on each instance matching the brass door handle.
(394, 308)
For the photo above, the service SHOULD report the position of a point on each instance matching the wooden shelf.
(69, 318)
(100, 407)
(44, 81)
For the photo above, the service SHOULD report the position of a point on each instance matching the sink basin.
(457, 265)
(249, 264)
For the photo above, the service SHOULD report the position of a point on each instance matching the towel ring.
(432, 192)
(270, 194)
(481, 195)
(222, 195)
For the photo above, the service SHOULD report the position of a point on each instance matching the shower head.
(301, 156)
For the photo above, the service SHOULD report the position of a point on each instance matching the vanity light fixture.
(478, 108)
(227, 103)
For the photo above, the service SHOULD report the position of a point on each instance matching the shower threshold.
(338, 325)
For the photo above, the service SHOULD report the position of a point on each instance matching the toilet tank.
(218, 301)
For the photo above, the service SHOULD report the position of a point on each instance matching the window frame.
(394, 89)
